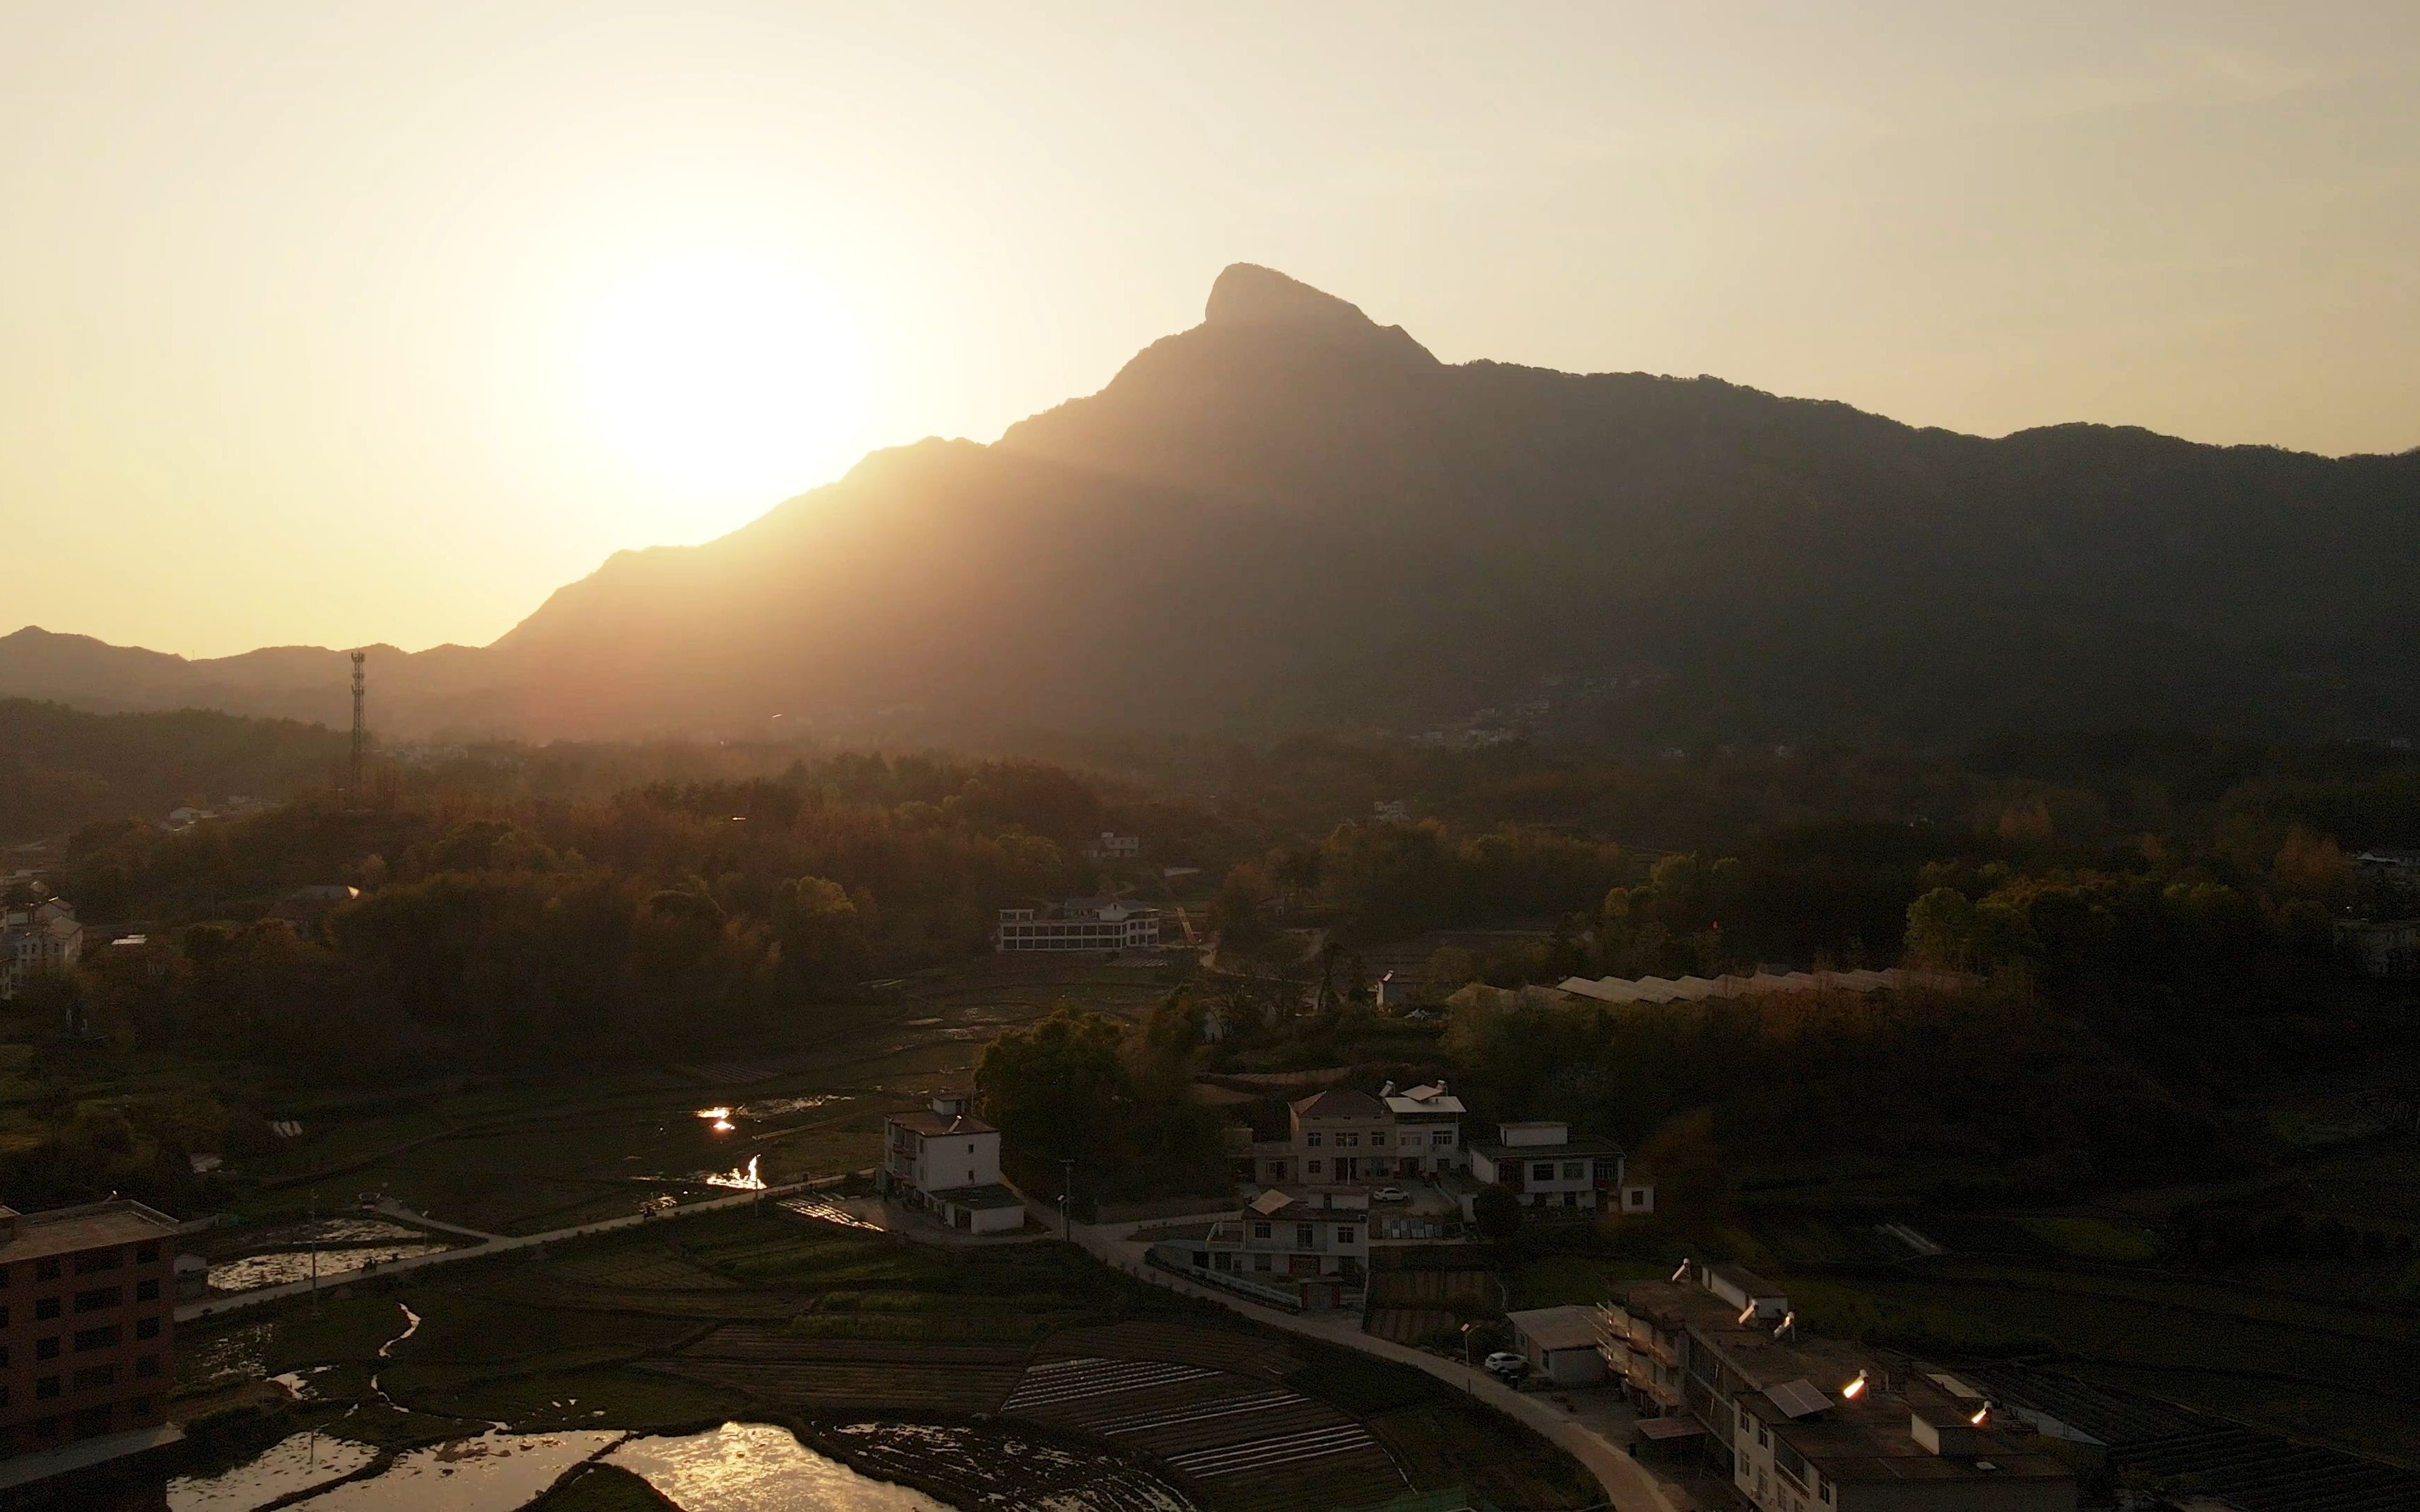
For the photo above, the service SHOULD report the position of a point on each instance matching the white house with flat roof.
(944, 1160)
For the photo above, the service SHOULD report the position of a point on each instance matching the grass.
(2094, 1238)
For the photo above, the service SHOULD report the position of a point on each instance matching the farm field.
(1013, 1372)
(527, 1156)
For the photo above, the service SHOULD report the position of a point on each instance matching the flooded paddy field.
(529, 1156)
(765, 1359)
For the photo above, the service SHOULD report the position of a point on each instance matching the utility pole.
(315, 1197)
(1066, 1195)
(361, 734)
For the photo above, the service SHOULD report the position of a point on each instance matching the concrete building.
(88, 1326)
(38, 941)
(1801, 1424)
(1310, 1253)
(945, 1161)
(1560, 1344)
(1350, 1138)
(1078, 924)
(1547, 1168)
(1113, 846)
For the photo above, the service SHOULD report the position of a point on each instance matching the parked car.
(1389, 1194)
(1506, 1364)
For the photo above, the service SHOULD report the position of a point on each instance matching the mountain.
(1289, 515)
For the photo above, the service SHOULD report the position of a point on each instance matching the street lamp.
(1066, 1194)
(1468, 1362)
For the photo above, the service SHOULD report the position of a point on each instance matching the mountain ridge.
(1289, 515)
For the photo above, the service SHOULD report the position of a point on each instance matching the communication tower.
(361, 732)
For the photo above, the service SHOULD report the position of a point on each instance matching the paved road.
(489, 1245)
(1628, 1486)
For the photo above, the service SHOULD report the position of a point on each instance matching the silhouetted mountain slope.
(1289, 514)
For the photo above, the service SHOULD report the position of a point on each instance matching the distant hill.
(61, 768)
(1290, 516)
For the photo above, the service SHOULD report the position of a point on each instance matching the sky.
(339, 323)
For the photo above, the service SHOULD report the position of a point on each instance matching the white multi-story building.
(943, 1159)
(1114, 846)
(1309, 1251)
(38, 941)
(1078, 924)
(1348, 1139)
(1545, 1166)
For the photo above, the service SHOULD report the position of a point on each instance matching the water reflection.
(774, 1107)
(720, 1118)
(754, 1467)
(285, 1266)
(285, 1468)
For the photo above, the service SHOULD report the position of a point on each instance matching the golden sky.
(335, 323)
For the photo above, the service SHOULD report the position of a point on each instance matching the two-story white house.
(1308, 1252)
(1545, 1166)
(945, 1161)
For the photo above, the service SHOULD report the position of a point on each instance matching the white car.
(1389, 1194)
(1505, 1363)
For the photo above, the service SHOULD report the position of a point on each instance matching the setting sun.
(724, 374)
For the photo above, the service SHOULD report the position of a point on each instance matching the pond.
(739, 1467)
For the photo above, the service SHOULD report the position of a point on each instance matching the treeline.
(534, 928)
(61, 767)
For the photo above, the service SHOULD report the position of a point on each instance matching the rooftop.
(1343, 1104)
(1569, 1146)
(930, 1124)
(89, 1226)
(990, 1194)
(1557, 1327)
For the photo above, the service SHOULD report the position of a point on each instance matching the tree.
(1496, 1212)
(1943, 930)
(1055, 1090)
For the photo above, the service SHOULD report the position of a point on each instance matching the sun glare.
(726, 376)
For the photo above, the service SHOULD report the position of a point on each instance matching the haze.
(338, 324)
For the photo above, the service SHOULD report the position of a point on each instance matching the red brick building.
(87, 1323)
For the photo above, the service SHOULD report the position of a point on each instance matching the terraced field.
(1245, 1441)
(1009, 1377)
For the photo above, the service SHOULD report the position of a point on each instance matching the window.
(1313, 1139)
(47, 1387)
(148, 1290)
(147, 1252)
(1345, 1233)
(148, 1365)
(1828, 1493)
(47, 1349)
(1764, 1439)
(1304, 1236)
(47, 1270)
(1574, 1170)
(46, 1307)
(1348, 1141)
(1312, 1167)
(1541, 1172)
(99, 1260)
(147, 1328)
(89, 1339)
(99, 1297)
(1260, 1230)
(1443, 1136)
(94, 1376)
(4, 1312)
(1378, 1138)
